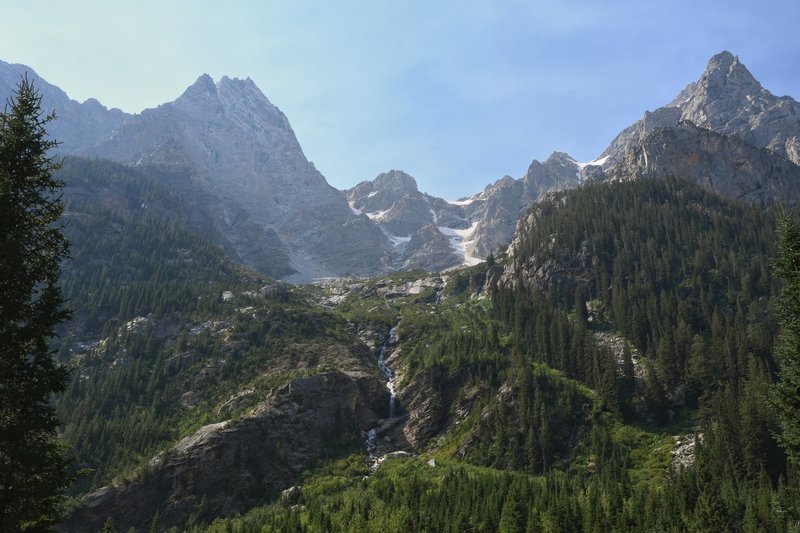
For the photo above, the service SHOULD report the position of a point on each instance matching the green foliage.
(786, 393)
(410, 495)
(681, 273)
(32, 467)
(129, 257)
(545, 428)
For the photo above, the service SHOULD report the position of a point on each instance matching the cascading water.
(388, 372)
(372, 445)
(371, 442)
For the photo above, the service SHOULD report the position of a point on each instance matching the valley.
(588, 347)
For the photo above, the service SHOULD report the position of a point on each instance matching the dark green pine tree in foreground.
(33, 471)
(786, 393)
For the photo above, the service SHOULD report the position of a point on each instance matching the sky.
(457, 93)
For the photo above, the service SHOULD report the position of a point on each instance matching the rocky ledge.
(228, 467)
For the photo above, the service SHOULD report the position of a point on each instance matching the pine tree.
(786, 393)
(32, 467)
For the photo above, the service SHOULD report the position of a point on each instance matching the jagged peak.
(723, 58)
(724, 70)
(204, 83)
(202, 90)
(395, 180)
(560, 158)
(237, 83)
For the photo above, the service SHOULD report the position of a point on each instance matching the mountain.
(434, 234)
(723, 164)
(725, 132)
(497, 209)
(226, 147)
(761, 135)
(231, 143)
(427, 232)
(726, 99)
(78, 125)
(591, 363)
(610, 373)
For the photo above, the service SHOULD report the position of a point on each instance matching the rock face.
(497, 209)
(724, 131)
(433, 234)
(426, 232)
(78, 125)
(226, 468)
(240, 150)
(723, 164)
(226, 148)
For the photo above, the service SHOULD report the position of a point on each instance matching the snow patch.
(597, 162)
(459, 239)
(353, 209)
(377, 215)
(398, 241)
(435, 217)
(462, 201)
(373, 193)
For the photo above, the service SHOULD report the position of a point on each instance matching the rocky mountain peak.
(726, 99)
(200, 98)
(725, 70)
(396, 181)
(558, 171)
(383, 192)
(79, 125)
(203, 84)
(559, 158)
(726, 95)
(240, 152)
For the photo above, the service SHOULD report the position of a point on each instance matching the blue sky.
(456, 93)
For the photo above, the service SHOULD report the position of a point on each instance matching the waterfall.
(371, 443)
(388, 372)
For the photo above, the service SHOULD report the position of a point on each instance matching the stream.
(371, 442)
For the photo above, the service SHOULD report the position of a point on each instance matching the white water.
(372, 446)
(371, 442)
(388, 372)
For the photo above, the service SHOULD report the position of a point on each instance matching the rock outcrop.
(726, 165)
(228, 467)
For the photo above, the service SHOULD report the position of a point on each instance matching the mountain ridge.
(229, 145)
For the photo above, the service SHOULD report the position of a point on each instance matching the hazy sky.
(457, 92)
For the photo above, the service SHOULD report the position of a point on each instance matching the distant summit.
(231, 143)
(726, 99)
(226, 146)
(79, 125)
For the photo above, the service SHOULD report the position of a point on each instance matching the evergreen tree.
(786, 395)
(32, 467)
